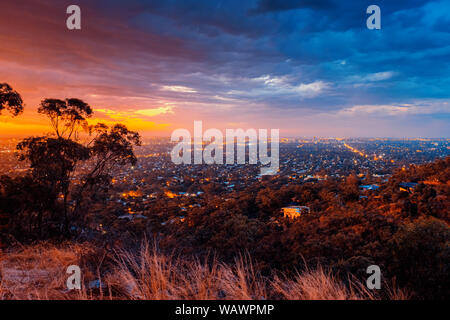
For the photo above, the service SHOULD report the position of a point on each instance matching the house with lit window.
(294, 212)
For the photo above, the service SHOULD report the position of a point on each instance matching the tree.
(350, 189)
(66, 116)
(10, 100)
(107, 149)
(421, 258)
(64, 155)
(56, 174)
(25, 203)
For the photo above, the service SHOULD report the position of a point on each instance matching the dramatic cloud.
(257, 63)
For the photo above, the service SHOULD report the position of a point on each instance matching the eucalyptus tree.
(10, 100)
(55, 158)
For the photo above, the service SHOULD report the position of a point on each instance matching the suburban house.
(369, 187)
(293, 212)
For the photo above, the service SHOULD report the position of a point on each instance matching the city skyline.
(309, 69)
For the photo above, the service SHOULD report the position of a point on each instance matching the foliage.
(10, 100)
(421, 257)
(57, 203)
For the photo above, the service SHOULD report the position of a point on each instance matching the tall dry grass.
(39, 272)
(151, 275)
(320, 284)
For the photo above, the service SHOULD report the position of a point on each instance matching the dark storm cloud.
(274, 5)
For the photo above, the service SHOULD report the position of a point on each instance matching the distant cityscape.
(155, 182)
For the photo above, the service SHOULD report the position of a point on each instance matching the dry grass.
(39, 272)
(154, 276)
(319, 284)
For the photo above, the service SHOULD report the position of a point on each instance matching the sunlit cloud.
(379, 76)
(155, 111)
(272, 81)
(421, 108)
(178, 89)
(376, 109)
(311, 89)
(360, 80)
(283, 85)
(118, 115)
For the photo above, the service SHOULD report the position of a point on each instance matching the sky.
(308, 68)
